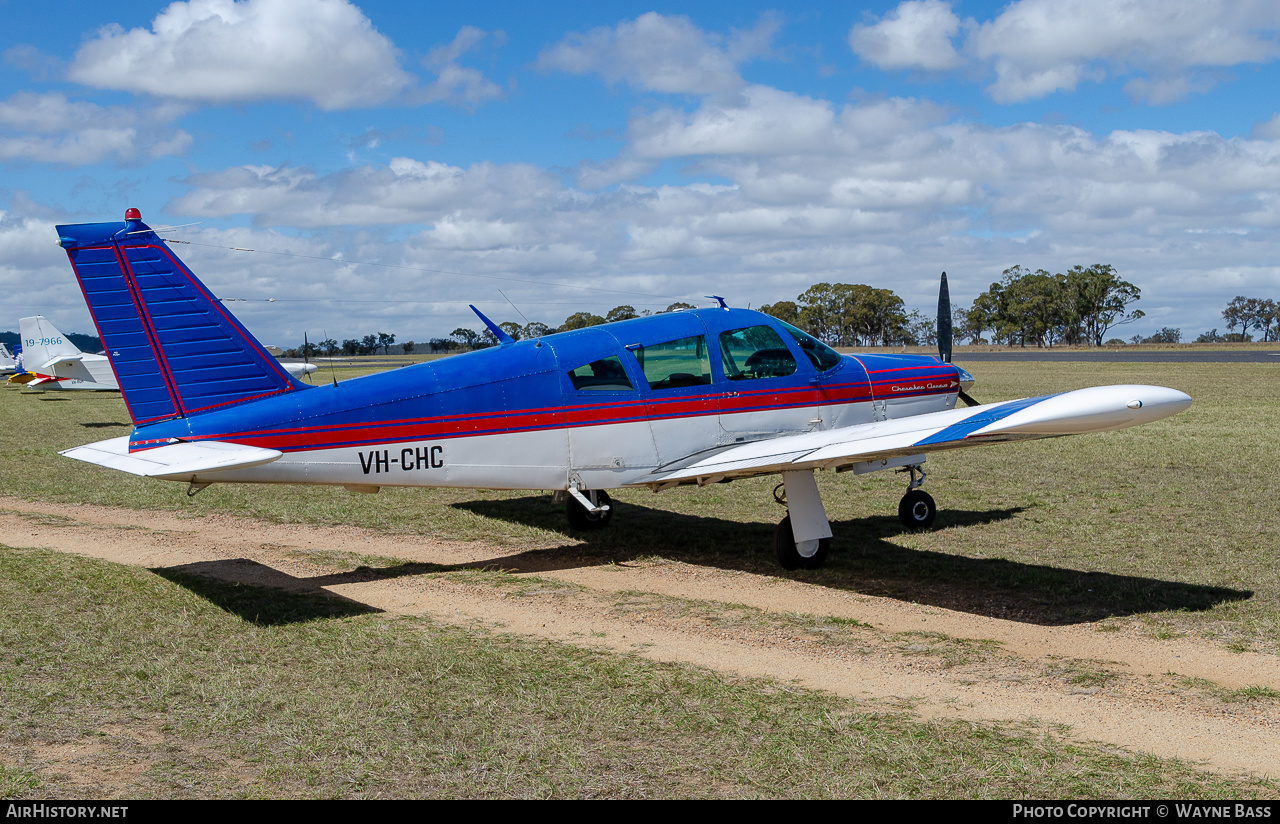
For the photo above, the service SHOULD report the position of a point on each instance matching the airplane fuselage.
(526, 416)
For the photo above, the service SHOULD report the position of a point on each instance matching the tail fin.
(175, 350)
(54, 355)
(43, 343)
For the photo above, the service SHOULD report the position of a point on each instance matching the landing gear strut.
(805, 544)
(588, 510)
(916, 510)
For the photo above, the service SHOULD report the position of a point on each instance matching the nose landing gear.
(916, 510)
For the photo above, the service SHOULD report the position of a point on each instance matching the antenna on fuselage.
(503, 337)
(513, 305)
(333, 370)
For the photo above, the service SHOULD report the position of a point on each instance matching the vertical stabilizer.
(43, 343)
(54, 355)
(175, 350)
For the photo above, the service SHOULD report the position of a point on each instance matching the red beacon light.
(132, 214)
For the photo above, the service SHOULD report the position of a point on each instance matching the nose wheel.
(916, 510)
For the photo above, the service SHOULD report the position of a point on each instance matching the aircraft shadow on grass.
(266, 596)
(864, 560)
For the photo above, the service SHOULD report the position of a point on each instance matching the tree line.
(1023, 308)
(1259, 314)
(1078, 306)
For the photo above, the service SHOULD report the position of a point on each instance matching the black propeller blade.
(944, 321)
(945, 334)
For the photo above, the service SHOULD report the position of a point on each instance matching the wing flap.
(180, 461)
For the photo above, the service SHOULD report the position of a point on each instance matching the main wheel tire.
(789, 555)
(917, 510)
(583, 520)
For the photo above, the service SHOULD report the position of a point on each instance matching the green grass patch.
(1169, 522)
(137, 683)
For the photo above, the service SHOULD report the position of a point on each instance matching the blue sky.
(392, 162)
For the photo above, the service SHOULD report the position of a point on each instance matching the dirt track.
(1112, 687)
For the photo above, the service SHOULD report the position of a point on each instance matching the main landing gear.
(588, 510)
(803, 539)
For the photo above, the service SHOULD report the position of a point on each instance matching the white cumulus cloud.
(1165, 49)
(1041, 46)
(49, 128)
(222, 51)
(915, 35)
(661, 53)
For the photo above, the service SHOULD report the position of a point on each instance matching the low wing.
(175, 462)
(1098, 409)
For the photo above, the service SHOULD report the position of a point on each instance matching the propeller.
(944, 341)
(306, 356)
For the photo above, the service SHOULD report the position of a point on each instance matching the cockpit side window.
(604, 375)
(822, 357)
(675, 363)
(755, 352)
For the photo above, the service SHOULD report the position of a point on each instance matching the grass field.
(1171, 528)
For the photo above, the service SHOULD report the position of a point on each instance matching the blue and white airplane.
(694, 397)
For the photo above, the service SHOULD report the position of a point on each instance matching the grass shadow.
(863, 559)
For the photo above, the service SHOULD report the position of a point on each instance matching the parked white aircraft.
(58, 363)
(7, 364)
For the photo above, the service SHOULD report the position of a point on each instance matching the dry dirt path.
(1140, 698)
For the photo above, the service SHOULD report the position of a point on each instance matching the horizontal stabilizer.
(175, 462)
(65, 360)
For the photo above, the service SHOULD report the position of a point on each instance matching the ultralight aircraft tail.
(175, 350)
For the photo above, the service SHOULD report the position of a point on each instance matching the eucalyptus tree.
(1102, 299)
(784, 310)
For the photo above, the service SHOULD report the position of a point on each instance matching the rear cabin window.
(676, 363)
(822, 357)
(605, 375)
(755, 352)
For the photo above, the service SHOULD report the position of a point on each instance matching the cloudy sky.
(391, 162)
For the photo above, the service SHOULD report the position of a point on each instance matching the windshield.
(822, 357)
